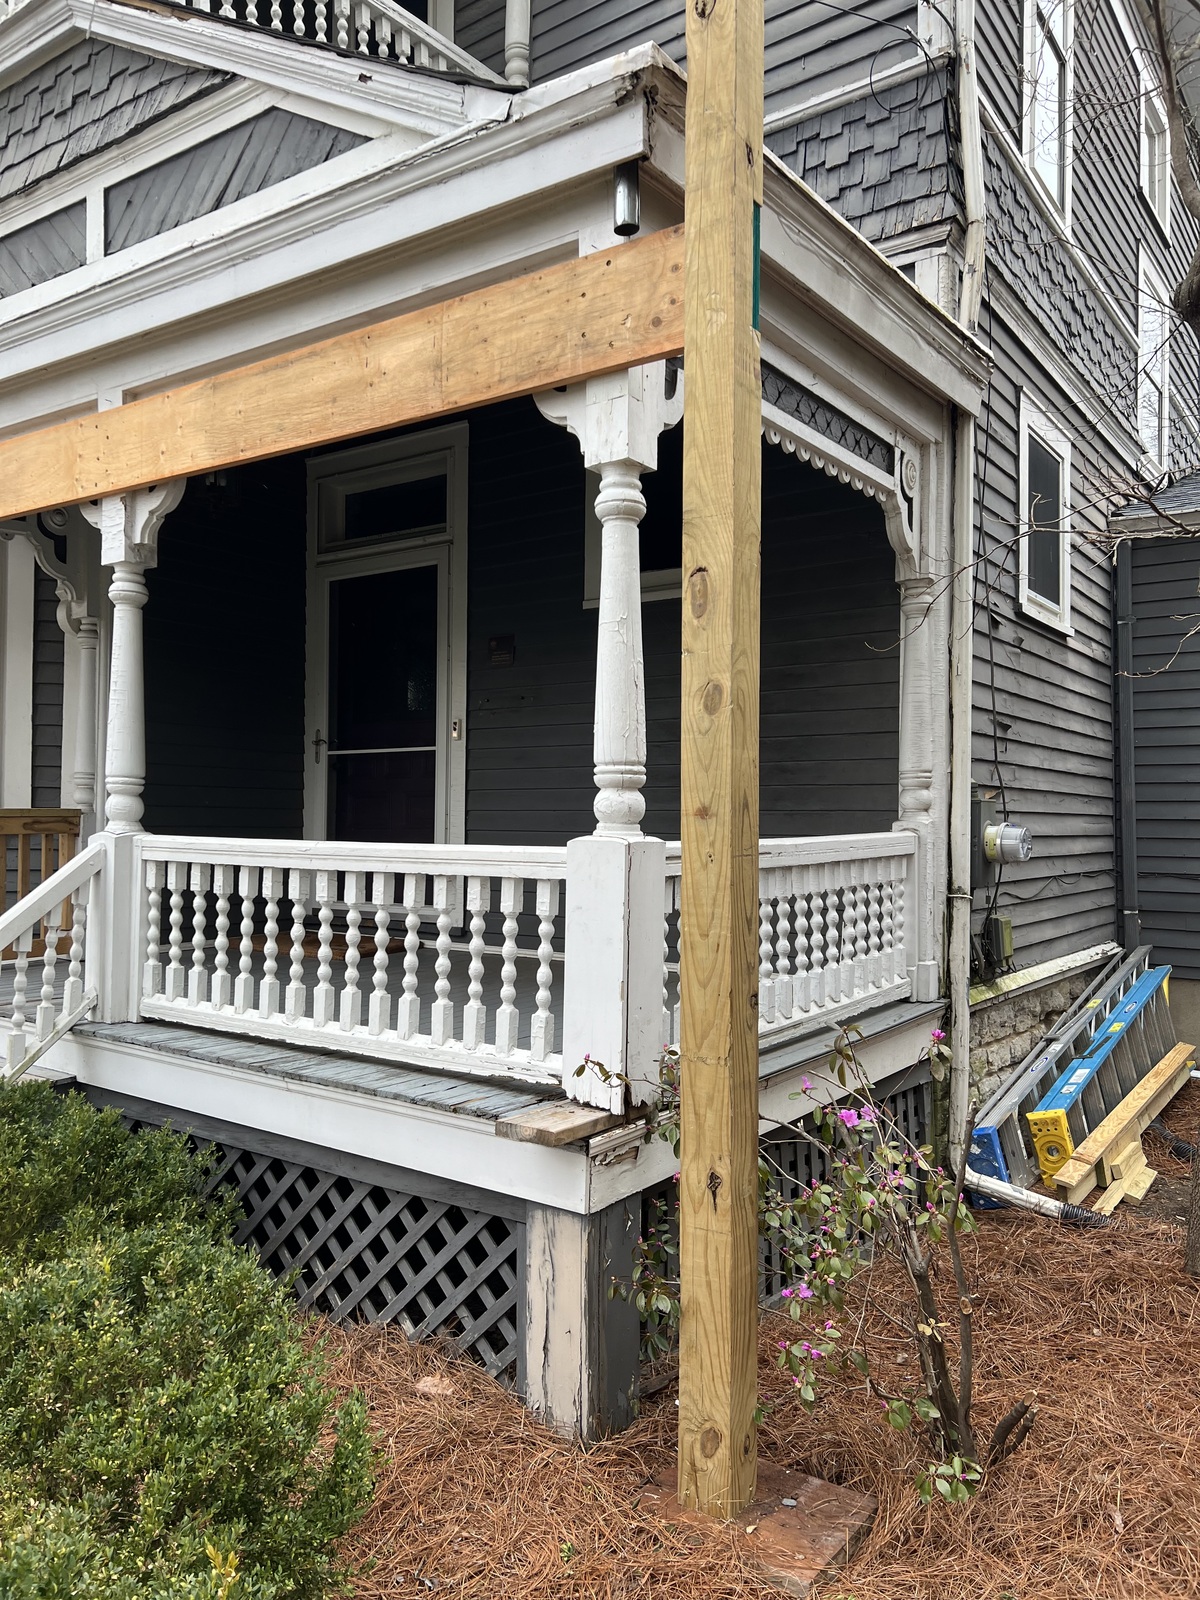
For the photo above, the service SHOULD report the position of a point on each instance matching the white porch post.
(613, 981)
(920, 614)
(129, 526)
(87, 641)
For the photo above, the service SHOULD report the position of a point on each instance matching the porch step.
(468, 1097)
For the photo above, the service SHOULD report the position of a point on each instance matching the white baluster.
(404, 45)
(802, 986)
(298, 18)
(408, 1019)
(479, 903)
(887, 926)
(422, 58)
(252, 11)
(833, 939)
(362, 17)
(175, 976)
(198, 976)
(899, 927)
(325, 890)
(816, 939)
(224, 879)
(512, 894)
(541, 1036)
(383, 37)
(668, 908)
(784, 1000)
(341, 24)
(73, 988)
(295, 999)
(243, 988)
(322, 27)
(860, 933)
(227, 9)
(766, 952)
(268, 989)
(17, 1043)
(874, 943)
(276, 16)
(441, 1025)
(46, 1010)
(379, 1014)
(350, 1010)
(152, 971)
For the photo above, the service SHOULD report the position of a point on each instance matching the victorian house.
(340, 774)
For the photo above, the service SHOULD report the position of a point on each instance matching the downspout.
(962, 609)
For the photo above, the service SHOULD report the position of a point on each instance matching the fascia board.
(819, 257)
(361, 204)
(1178, 522)
(35, 34)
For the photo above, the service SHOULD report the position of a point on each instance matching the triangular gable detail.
(82, 101)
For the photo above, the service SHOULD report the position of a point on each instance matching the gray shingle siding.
(882, 161)
(243, 161)
(84, 100)
(44, 249)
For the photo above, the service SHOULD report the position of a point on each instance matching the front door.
(385, 657)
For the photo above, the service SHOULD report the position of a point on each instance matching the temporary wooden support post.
(600, 313)
(719, 812)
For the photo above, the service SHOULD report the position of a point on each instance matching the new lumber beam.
(719, 760)
(617, 308)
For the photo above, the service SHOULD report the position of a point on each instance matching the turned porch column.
(921, 620)
(613, 986)
(128, 525)
(619, 729)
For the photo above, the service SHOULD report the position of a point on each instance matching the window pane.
(1044, 513)
(396, 508)
(383, 661)
(1049, 110)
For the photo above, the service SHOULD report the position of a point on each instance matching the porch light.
(627, 199)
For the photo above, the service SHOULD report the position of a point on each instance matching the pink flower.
(805, 1085)
(787, 1293)
(802, 1291)
(938, 1036)
(866, 1114)
(848, 1117)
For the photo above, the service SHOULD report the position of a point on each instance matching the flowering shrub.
(880, 1192)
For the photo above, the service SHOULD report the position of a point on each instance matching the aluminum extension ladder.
(1120, 1027)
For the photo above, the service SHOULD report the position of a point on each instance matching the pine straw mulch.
(480, 1502)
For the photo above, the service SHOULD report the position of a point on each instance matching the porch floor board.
(389, 1081)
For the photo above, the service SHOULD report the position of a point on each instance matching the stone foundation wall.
(1005, 1030)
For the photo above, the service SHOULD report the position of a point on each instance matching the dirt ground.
(477, 1501)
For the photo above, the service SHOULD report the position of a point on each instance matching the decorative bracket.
(620, 416)
(129, 523)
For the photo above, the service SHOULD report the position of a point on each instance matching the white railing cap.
(341, 855)
(51, 893)
(822, 849)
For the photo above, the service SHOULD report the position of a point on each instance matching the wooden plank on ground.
(613, 309)
(719, 761)
(1128, 1120)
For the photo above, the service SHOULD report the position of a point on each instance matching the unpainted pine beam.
(616, 308)
(720, 717)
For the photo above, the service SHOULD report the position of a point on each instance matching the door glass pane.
(383, 660)
(384, 798)
(1045, 513)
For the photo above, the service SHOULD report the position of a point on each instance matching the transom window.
(1044, 533)
(1047, 101)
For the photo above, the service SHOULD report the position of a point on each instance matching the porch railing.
(424, 953)
(833, 928)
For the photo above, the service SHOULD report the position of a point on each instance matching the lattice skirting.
(356, 1246)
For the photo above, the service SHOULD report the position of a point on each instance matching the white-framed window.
(1044, 518)
(1047, 120)
(1156, 155)
(1153, 375)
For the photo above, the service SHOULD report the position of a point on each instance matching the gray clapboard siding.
(810, 48)
(240, 162)
(1052, 719)
(43, 250)
(479, 28)
(47, 694)
(89, 97)
(882, 160)
(1166, 713)
(224, 632)
(998, 59)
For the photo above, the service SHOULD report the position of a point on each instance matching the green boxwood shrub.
(159, 1409)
